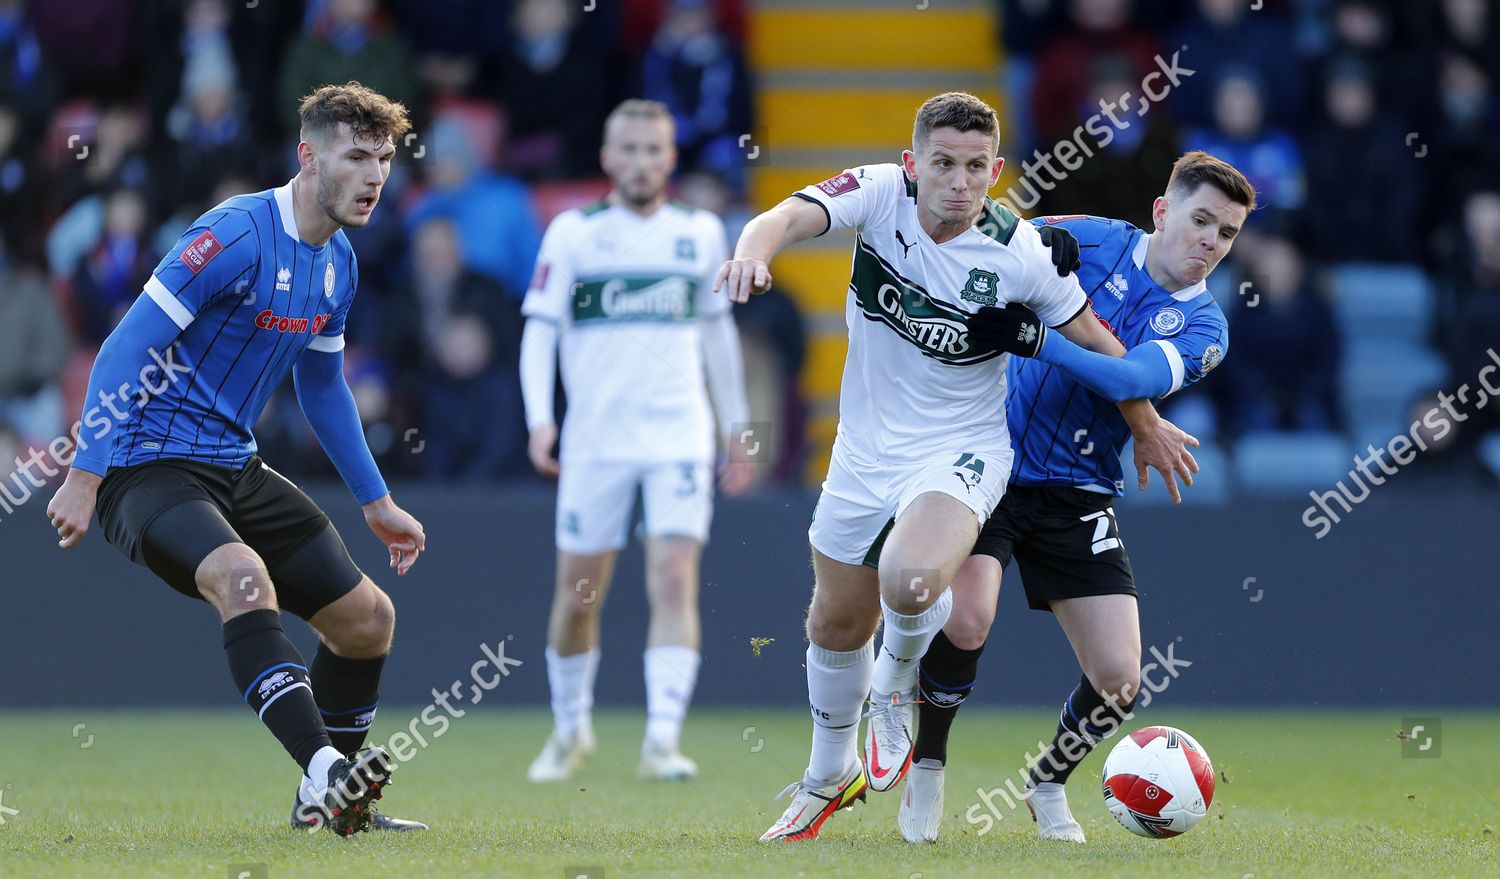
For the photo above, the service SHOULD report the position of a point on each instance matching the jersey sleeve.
(850, 199)
(552, 280)
(716, 251)
(1201, 346)
(217, 255)
(1055, 300)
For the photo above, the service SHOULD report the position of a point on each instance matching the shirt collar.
(283, 196)
(1186, 294)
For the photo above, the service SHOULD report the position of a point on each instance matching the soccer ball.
(1158, 782)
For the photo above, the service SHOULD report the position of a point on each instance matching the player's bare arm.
(794, 219)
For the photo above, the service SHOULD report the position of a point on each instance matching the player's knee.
(672, 590)
(968, 627)
(578, 600)
(234, 580)
(363, 630)
(1122, 681)
(838, 631)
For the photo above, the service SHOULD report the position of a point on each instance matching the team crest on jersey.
(1168, 322)
(328, 281)
(1213, 355)
(937, 328)
(685, 249)
(981, 287)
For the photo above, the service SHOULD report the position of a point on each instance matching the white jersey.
(913, 384)
(627, 294)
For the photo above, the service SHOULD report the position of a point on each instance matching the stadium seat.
(1290, 464)
(1385, 302)
(1211, 486)
(1380, 379)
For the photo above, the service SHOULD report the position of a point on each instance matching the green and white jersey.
(913, 384)
(628, 294)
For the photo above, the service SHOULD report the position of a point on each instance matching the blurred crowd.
(1367, 126)
(121, 121)
(1369, 130)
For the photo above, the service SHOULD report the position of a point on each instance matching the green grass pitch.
(207, 794)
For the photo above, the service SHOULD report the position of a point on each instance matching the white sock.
(316, 779)
(571, 679)
(904, 641)
(671, 673)
(838, 683)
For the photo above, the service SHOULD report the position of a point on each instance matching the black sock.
(945, 679)
(272, 679)
(1086, 720)
(347, 691)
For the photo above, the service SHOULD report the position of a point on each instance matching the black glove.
(1015, 329)
(1064, 248)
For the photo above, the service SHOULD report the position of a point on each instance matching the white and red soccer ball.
(1158, 782)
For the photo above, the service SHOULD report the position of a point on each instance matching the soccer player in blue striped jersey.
(1057, 518)
(257, 288)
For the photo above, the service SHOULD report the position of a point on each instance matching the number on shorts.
(1101, 520)
(689, 485)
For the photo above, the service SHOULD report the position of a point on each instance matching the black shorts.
(169, 515)
(1065, 541)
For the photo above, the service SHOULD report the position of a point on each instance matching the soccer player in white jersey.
(922, 453)
(624, 288)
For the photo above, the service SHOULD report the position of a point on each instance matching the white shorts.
(862, 496)
(595, 500)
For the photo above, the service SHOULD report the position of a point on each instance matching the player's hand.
(742, 277)
(400, 532)
(1064, 249)
(1165, 447)
(1015, 329)
(73, 506)
(539, 449)
(736, 477)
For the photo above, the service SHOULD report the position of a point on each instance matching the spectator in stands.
(1476, 286)
(1025, 26)
(1379, 32)
(1366, 210)
(112, 151)
(208, 131)
(1269, 157)
(469, 331)
(1226, 34)
(491, 210)
(1282, 372)
(94, 46)
(29, 80)
(346, 41)
(701, 76)
(1462, 132)
(33, 351)
(1124, 175)
(455, 44)
(556, 89)
(1100, 27)
(110, 277)
(21, 184)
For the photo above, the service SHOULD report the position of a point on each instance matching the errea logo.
(1118, 285)
(284, 279)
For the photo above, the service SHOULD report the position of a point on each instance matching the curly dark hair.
(368, 113)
